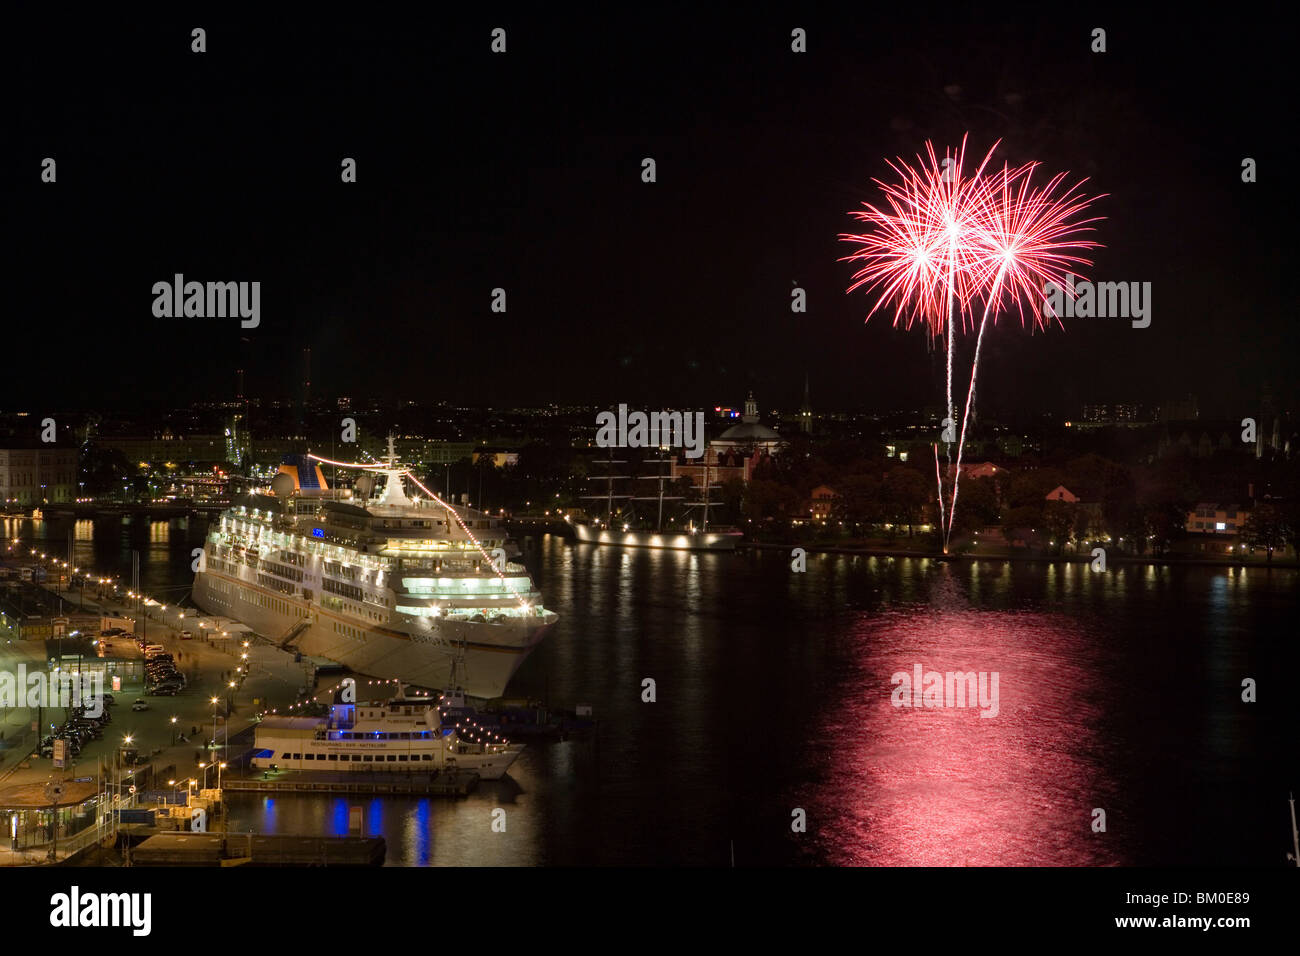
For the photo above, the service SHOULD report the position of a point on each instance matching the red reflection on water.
(942, 786)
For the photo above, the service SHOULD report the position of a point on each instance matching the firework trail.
(1031, 237)
(947, 241)
(923, 254)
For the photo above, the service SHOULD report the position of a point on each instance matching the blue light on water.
(420, 836)
(269, 815)
(339, 819)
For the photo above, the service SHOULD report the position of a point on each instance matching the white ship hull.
(668, 540)
(492, 653)
(405, 735)
(349, 757)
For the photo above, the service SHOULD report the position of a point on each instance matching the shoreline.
(1168, 561)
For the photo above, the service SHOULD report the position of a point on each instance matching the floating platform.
(219, 849)
(446, 783)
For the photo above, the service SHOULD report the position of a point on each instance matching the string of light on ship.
(479, 728)
(450, 510)
(462, 730)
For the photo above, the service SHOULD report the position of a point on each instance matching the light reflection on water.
(1118, 691)
(946, 786)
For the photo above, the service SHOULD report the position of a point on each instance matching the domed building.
(750, 434)
(735, 453)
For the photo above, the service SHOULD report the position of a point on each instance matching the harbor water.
(775, 731)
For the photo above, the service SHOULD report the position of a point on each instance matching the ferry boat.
(409, 588)
(405, 734)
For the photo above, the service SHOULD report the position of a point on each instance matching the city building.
(499, 457)
(1215, 528)
(1200, 441)
(1218, 519)
(1062, 493)
(30, 477)
(1108, 414)
(821, 502)
(1179, 410)
(169, 446)
(735, 453)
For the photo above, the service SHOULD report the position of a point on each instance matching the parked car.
(187, 635)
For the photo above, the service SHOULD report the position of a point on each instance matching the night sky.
(522, 171)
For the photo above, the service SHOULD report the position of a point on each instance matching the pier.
(446, 783)
(219, 849)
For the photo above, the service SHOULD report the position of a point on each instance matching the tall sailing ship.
(619, 531)
(388, 585)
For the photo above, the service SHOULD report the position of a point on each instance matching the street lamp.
(214, 701)
(173, 731)
(117, 787)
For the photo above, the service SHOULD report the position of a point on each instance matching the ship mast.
(609, 495)
(706, 495)
(661, 478)
(394, 491)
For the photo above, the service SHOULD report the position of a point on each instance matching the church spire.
(805, 411)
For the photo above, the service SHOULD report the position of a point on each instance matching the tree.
(903, 496)
(104, 471)
(732, 494)
(1016, 521)
(770, 501)
(1059, 518)
(977, 505)
(1031, 487)
(859, 500)
(1164, 521)
(1265, 528)
(1131, 527)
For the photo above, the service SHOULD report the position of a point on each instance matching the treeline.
(1145, 504)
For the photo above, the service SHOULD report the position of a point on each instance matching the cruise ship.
(388, 585)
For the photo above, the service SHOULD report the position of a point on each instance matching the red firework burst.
(924, 252)
(947, 240)
(1029, 237)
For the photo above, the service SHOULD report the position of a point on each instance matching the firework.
(948, 241)
(925, 253)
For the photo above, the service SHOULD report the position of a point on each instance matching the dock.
(218, 849)
(446, 783)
